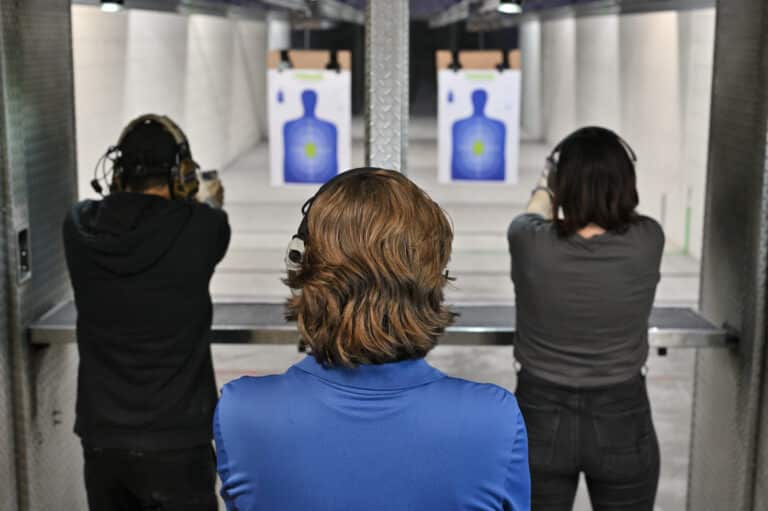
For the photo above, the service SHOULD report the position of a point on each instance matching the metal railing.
(476, 325)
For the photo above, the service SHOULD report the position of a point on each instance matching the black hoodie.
(140, 267)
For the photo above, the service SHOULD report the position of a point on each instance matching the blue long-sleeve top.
(391, 437)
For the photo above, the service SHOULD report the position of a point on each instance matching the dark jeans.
(607, 433)
(171, 480)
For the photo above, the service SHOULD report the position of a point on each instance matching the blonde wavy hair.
(373, 271)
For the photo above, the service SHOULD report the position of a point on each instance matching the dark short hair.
(143, 183)
(372, 275)
(594, 182)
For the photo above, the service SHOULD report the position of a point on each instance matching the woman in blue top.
(364, 422)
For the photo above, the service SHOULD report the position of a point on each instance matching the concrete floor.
(263, 219)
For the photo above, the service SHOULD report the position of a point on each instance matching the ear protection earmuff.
(183, 174)
(554, 156)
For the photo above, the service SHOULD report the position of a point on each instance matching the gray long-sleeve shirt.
(583, 304)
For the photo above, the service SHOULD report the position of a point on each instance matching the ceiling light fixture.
(510, 7)
(111, 5)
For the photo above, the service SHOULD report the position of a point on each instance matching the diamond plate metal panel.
(38, 138)
(57, 461)
(761, 477)
(49, 145)
(8, 496)
(49, 129)
(386, 83)
(727, 385)
(14, 212)
(7, 451)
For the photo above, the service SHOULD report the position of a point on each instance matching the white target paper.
(310, 115)
(478, 125)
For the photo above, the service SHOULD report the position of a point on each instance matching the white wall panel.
(279, 31)
(98, 43)
(647, 76)
(210, 43)
(207, 73)
(531, 114)
(597, 72)
(559, 77)
(650, 103)
(247, 120)
(156, 60)
(697, 40)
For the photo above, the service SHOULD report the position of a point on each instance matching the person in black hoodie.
(140, 261)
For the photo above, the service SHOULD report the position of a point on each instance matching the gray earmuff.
(294, 254)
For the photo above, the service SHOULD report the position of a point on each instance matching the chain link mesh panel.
(727, 384)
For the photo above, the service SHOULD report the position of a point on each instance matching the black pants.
(179, 479)
(607, 433)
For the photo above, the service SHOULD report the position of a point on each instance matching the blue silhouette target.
(478, 144)
(310, 154)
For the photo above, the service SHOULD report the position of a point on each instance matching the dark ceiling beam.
(250, 10)
(339, 11)
(332, 10)
(454, 14)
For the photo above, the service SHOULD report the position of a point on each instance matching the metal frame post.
(727, 388)
(37, 152)
(386, 83)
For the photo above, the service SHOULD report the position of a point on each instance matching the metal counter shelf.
(476, 325)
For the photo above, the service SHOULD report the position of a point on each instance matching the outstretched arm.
(541, 198)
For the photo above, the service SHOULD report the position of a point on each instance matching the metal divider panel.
(45, 187)
(727, 384)
(8, 496)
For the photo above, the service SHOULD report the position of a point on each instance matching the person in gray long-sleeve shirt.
(585, 267)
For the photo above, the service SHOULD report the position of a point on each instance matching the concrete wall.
(207, 73)
(647, 76)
